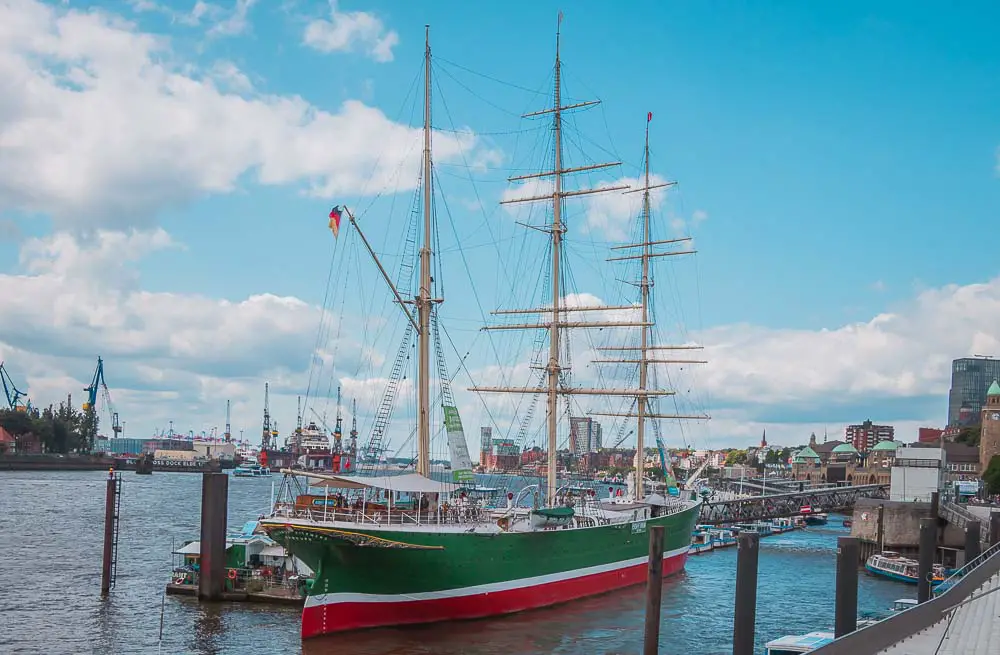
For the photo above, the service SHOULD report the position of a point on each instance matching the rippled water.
(51, 535)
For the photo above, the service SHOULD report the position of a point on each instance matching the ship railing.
(449, 514)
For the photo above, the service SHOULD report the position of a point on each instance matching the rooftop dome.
(845, 448)
(994, 389)
(804, 454)
(886, 446)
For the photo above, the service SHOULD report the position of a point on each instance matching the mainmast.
(557, 321)
(645, 285)
(423, 299)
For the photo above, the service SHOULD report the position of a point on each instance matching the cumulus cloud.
(903, 353)
(348, 31)
(100, 125)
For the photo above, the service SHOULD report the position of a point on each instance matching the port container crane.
(98, 385)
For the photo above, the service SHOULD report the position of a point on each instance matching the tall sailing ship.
(408, 548)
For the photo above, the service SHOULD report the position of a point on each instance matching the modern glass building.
(970, 378)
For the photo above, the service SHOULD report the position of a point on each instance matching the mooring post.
(214, 509)
(925, 558)
(973, 533)
(109, 532)
(654, 592)
(846, 612)
(935, 504)
(748, 549)
(994, 529)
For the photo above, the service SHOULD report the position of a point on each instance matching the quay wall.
(58, 462)
(53, 462)
(891, 525)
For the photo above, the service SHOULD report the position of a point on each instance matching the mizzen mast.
(557, 322)
(645, 285)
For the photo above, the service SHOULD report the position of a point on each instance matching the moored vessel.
(891, 565)
(406, 548)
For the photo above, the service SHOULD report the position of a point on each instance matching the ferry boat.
(251, 471)
(701, 542)
(723, 538)
(795, 644)
(890, 564)
(903, 604)
(782, 525)
(449, 558)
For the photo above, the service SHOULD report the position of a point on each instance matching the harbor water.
(51, 540)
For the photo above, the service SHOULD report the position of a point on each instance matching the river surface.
(51, 536)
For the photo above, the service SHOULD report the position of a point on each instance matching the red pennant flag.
(649, 117)
(335, 221)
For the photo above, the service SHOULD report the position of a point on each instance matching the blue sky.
(843, 157)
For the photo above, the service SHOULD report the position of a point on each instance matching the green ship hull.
(368, 577)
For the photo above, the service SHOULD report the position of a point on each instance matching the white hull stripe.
(492, 587)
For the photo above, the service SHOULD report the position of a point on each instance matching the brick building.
(864, 436)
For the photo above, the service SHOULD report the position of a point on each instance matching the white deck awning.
(273, 551)
(407, 482)
(193, 548)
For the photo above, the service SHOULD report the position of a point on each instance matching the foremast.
(643, 410)
(557, 322)
(424, 300)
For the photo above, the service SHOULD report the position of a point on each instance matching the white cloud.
(235, 23)
(347, 31)
(905, 353)
(99, 126)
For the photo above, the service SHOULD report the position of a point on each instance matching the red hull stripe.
(329, 613)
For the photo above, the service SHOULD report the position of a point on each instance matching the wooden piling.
(747, 554)
(846, 604)
(109, 533)
(925, 558)
(654, 592)
(214, 510)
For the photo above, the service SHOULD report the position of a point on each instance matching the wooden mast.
(552, 368)
(423, 299)
(554, 385)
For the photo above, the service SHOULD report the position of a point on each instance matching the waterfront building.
(121, 446)
(916, 474)
(864, 436)
(585, 435)
(485, 445)
(8, 444)
(152, 445)
(844, 464)
(506, 456)
(217, 449)
(929, 435)
(989, 437)
(970, 380)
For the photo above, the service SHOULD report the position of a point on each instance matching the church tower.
(989, 438)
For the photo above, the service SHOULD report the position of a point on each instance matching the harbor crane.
(12, 393)
(98, 385)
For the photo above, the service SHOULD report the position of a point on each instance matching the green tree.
(969, 435)
(991, 476)
(734, 457)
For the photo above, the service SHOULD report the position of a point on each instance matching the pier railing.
(896, 628)
(787, 504)
(961, 517)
